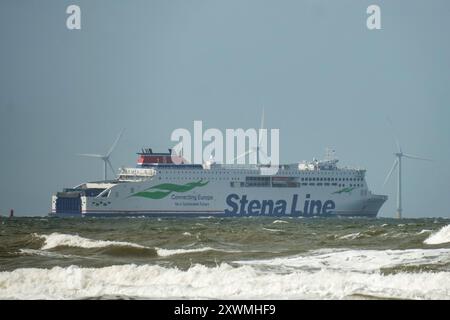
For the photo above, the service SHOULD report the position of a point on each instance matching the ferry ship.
(164, 184)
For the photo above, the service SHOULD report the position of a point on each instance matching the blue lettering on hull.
(243, 206)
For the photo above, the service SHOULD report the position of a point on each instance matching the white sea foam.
(59, 239)
(280, 221)
(441, 236)
(221, 282)
(272, 230)
(43, 253)
(170, 252)
(187, 234)
(424, 231)
(361, 261)
(55, 239)
(351, 236)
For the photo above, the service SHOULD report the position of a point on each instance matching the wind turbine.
(257, 149)
(398, 162)
(106, 156)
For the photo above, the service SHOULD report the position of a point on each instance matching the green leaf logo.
(161, 191)
(344, 190)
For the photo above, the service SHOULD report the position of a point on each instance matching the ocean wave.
(280, 221)
(361, 261)
(351, 236)
(43, 253)
(221, 282)
(441, 236)
(373, 232)
(170, 252)
(55, 240)
(272, 230)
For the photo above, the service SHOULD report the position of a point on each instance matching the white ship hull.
(226, 192)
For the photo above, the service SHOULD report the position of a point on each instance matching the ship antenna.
(106, 156)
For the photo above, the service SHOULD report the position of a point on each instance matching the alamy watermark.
(241, 147)
(73, 21)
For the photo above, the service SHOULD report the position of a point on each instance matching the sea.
(224, 258)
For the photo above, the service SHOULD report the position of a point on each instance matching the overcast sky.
(152, 66)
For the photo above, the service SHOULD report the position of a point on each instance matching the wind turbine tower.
(398, 162)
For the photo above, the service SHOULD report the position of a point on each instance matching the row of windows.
(331, 179)
(265, 180)
(291, 185)
(262, 178)
(222, 172)
(203, 177)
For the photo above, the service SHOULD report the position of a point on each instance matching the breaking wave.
(361, 261)
(280, 221)
(351, 236)
(116, 248)
(272, 230)
(55, 240)
(220, 282)
(424, 231)
(170, 252)
(441, 236)
(43, 253)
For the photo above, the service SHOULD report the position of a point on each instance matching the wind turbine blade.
(390, 172)
(243, 155)
(90, 155)
(415, 157)
(260, 128)
(114, 144)
(110, 165)
(399, 148)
